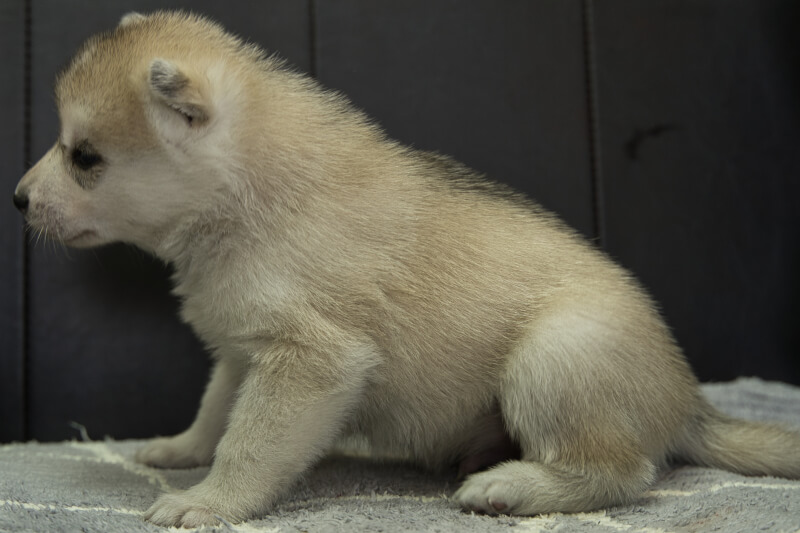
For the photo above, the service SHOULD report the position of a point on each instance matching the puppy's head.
(146, 140)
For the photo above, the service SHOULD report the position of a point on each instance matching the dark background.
(667, 131)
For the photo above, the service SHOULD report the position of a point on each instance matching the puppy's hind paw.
(487, 493)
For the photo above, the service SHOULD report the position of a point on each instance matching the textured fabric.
(96, 487)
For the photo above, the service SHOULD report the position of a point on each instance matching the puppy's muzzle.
(21, 202)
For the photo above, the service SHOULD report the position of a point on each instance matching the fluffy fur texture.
(351, 287)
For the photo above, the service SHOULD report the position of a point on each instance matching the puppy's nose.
(21, 201)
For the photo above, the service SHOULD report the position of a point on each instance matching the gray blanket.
(96, 487)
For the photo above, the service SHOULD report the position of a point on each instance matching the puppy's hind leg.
(579, 424)
(533, 487)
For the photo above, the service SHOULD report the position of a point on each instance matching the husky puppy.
(347, 285)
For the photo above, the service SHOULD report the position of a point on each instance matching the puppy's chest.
(222, 306)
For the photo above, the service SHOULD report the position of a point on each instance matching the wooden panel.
(700, 124)
(106, 348)
(500, 86)
(12, 166)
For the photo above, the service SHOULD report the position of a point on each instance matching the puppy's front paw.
(183, 509)
(173, 452)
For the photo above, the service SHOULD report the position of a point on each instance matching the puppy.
(349, 286)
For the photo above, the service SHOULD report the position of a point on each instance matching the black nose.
(21, 201)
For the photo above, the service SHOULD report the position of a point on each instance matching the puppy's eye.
(84, 159)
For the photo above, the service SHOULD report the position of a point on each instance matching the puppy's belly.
(435, 434)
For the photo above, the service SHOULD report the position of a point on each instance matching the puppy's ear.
(179, 91)
(130, 18)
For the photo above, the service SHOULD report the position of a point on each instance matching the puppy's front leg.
(289, 410)
(195, 446)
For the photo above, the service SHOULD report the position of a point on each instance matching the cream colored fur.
(350, 287)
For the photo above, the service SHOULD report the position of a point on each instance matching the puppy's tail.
(749, 448)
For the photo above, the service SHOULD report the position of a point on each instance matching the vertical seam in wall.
(312, 37)
(595, 155)
(27, 150)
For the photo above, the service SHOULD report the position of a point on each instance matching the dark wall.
(664, 130)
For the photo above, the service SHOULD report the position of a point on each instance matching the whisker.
(65, 249)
